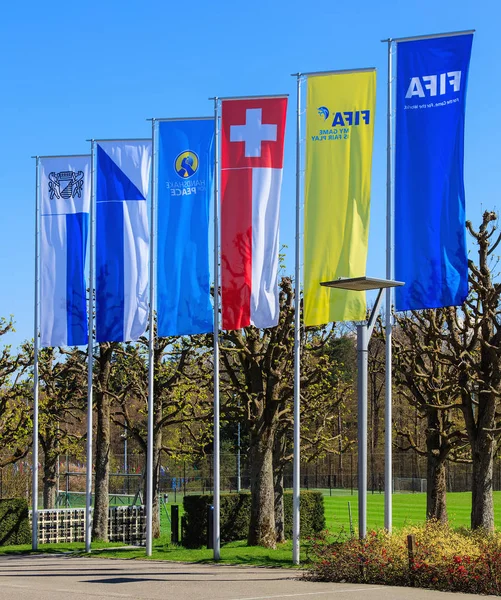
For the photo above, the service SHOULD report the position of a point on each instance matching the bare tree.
(15, 392)
(63, 385)
(181, 402)
(474, 339)
(258, 365)
(425, 377)
(258, 369)
(453, 367)
(109, 387)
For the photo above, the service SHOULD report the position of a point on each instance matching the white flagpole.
(388, 438)
(151, 349)
(34, 514)
(217, 537)
(297, 345)
(90, 359)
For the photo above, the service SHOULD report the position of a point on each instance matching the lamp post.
(364, 332)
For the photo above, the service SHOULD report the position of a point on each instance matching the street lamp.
(364, 332)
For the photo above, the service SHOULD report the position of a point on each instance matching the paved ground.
(49, 577)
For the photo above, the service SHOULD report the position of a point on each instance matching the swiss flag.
(252, 152)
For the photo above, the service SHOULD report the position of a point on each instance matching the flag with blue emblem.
(64, 224)
(122, 239)
(185, 173)
(430, 226)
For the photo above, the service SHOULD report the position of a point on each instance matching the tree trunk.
(483, 441)
(50, 473)
(436, 487)
(436, 502)
(340, 450)
(483, 450)
(279, 450)
(482, 506)
(262, 521)
(279, 505)
(101, 486)
(372, 444)
(103, 446)
(156, 495)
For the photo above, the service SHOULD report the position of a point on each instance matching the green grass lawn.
(232, 553)
(408, 509)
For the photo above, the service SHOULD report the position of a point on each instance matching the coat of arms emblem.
(66, 184)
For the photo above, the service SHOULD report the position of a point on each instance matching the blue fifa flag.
(122, 239)
(430, 229)
(185, 173)
(64, 223)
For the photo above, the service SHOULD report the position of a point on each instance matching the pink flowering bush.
(445, 559)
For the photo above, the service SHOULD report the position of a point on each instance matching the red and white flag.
(252, 153)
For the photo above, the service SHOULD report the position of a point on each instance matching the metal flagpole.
(388, 438)
(251, 97)
(297, 344)
(217, 537)
(151, 364)
(362, 385)
(431, 36)
(34, 520)
(90, 359)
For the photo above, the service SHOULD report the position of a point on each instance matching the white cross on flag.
(252, 152)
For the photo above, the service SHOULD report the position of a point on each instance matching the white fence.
(126, 524)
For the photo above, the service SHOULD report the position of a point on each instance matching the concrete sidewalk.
(50, 577)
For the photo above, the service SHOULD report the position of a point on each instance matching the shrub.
(445, 559)
(14, 522)
(311, 508)
(235, 516)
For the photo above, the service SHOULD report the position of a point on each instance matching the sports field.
(408, 509)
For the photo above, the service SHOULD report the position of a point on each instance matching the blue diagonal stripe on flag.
(112, 182)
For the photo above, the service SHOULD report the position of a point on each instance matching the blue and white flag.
(122, 239)
(430, 228)
(185, 173)
(64, 223)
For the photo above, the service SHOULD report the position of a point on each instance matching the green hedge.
(235, 517)
(312, 517)
(14, 522)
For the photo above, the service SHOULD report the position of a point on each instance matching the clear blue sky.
(72, 71)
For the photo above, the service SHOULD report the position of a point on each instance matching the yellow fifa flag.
(339, 134)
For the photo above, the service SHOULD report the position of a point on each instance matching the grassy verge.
(74, 547)
(236, 553)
